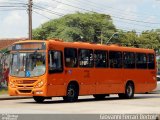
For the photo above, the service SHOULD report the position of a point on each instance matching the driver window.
(55, 61)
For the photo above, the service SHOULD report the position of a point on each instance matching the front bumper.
(26, 91)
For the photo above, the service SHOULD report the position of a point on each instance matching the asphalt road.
(142, 103)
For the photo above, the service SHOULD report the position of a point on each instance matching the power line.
(45, 5)
(126, 29)
(131, 23)
(115, 18)
(11, 6)
(111, 15)
(115, 9)
(18, 1)
(134, 20)
(120, 29)
(11, 9)
(47, 10)
(101, 10)
(11, 3)
(16, 5)
(41, 15)
(72, 6)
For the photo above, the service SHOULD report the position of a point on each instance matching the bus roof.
(87, 45)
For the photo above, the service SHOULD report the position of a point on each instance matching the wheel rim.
(129, 90)
(71, 92)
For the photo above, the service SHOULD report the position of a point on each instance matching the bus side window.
(151, 63)
(129, 60)
(70, 57)
(115, 59)
(141, 60)
(55, 62)
(100, 58)
(85, 58)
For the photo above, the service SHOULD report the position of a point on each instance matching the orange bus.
(48, 68)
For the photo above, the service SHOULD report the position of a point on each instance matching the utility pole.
(101, 36)
(30, 2)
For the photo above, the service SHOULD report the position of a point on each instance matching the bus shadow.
(146, 96)
(79, 101)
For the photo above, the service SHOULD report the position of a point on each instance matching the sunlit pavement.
(142, 103)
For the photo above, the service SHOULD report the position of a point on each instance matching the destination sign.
(29, 46)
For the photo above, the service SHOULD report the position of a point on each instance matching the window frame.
(106, 59)
(80, 56)
(141, 63)
(55, 71)
(116, 59)
(151, 68)
(75, 65)
(132, 60)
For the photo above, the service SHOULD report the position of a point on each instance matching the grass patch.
(3, 91)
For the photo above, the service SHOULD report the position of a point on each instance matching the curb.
(155, 92)
(6, 97)
(14, 98)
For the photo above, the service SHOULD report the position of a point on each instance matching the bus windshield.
(28, 64)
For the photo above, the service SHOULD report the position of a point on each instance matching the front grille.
(26, 81)
(25, 91)
(28, 86)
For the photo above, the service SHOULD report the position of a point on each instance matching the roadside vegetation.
(3, 91)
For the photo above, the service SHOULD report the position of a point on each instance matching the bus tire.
(72, 93)
(100, 96)
(129, 91)
(39, 99)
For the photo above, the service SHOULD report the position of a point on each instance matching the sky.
(139, 15)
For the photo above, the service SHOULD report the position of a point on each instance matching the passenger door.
(56, 86)
(115, 72)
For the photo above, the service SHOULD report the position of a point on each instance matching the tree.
(150, 39)
(74, 27)
(95, 27)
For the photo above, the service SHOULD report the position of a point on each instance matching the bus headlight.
(11, 84)
(39, 84)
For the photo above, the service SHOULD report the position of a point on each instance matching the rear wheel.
(72, 93)
(129, 91)
(39, 99)
(100, 96)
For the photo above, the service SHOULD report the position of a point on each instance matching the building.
(4, 43)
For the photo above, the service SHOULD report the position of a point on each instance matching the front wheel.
(129, 91)
(39, 99)
(72, 93)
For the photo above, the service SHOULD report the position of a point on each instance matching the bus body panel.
(90, 80)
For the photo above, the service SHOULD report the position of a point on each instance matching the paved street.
(142, 103)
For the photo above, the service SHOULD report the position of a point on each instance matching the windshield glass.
(28, 64)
